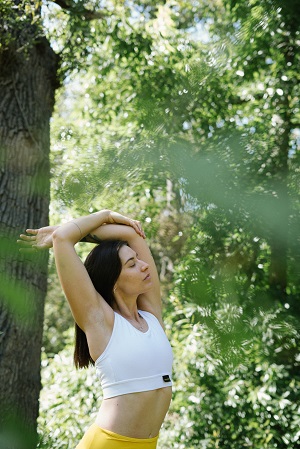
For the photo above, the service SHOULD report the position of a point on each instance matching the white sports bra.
(135, 361)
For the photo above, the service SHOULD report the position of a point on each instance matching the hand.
(38, 239)
(115, 217)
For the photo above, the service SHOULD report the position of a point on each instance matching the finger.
(135, 226)
(24, 243)
(27, 250)
(28, 237)
(32, 231)
(138, 228)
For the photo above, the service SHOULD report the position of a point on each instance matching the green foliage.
(69, 400)
(20, 25)
(18, 297)
(186, 116)
(58, 318)
(236, 383)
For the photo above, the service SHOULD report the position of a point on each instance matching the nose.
(144, 265)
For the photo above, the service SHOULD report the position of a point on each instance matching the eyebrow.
(131, 258)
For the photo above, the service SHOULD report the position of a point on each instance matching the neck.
(126, 310)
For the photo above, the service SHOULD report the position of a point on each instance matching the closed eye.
(131, 259)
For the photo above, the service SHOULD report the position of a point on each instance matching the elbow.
(56, 236)
(59, 235)
(65, 234)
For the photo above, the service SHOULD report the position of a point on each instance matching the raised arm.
(42, 238)
(84, 300)
(103, 225)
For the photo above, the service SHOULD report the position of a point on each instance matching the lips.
(147, 277)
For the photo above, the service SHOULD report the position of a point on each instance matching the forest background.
(185, 115)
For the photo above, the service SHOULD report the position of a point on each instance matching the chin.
(148, 287)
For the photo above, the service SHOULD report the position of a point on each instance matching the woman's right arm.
(85, 302)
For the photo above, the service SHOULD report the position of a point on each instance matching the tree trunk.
(279, 241)
(27, 86)
(280, 220)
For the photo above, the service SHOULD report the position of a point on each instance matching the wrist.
(103, 215)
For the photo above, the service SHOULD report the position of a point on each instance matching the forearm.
(88, 228)
(111, 232)
(76, 230)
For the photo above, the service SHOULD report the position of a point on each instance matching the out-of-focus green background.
(185, 115)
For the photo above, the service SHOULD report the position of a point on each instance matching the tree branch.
(74, 8)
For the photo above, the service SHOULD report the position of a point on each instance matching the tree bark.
(279, 239)
(27, 86)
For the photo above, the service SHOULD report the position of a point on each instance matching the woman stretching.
(115, 301)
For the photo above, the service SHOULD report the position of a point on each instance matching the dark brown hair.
(104, 266)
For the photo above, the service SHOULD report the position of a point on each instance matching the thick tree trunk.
(27, 87)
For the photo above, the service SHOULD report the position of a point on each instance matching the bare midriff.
(135, 415)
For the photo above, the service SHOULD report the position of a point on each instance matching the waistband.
(125, 438)
(98, 438)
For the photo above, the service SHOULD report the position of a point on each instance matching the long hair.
(104, 266)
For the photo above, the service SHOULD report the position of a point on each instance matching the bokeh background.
(184, 115)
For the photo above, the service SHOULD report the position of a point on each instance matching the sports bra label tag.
(166, 378)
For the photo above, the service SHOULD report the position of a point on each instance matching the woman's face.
(134, 278)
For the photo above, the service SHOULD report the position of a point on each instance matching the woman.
(115, 301)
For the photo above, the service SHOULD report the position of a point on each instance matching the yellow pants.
(98, 438)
